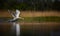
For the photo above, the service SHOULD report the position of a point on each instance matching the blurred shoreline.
(31, 13)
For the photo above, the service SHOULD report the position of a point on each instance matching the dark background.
(30, 4)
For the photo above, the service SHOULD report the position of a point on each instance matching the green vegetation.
(38, 19)
(42, 19)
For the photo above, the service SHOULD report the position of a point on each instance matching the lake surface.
(29, 29)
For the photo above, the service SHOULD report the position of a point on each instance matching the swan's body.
(15, 15)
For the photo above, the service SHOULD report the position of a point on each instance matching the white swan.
(15, 15)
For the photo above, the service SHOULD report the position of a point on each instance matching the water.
(10, 29)
(29, 29)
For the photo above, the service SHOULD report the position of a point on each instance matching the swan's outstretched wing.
(12, 14)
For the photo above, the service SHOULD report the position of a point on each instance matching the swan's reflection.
(15, 28)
